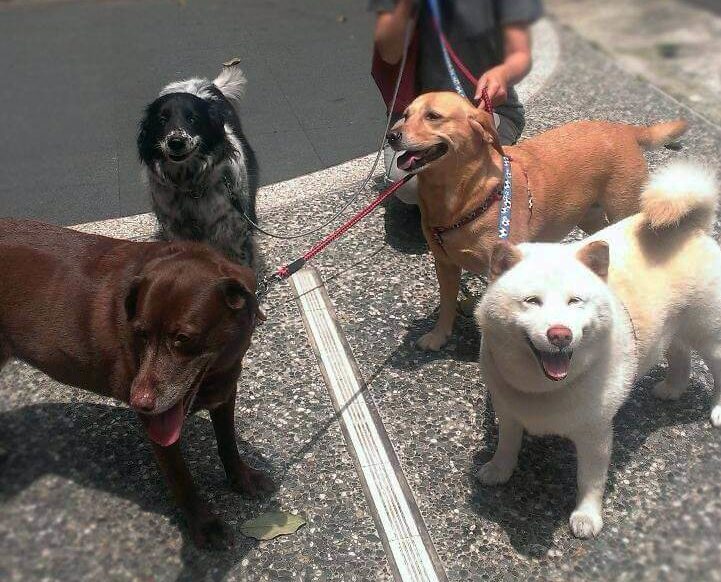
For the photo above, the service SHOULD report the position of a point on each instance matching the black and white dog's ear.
(146, 145)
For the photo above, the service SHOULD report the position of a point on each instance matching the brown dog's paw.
(253, 483)
(211, 533)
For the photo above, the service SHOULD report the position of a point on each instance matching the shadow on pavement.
(402, 222)
(103, 447)
(403, 227)
(541, 494)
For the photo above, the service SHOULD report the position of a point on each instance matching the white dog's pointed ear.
(503, 257)
(596, 257)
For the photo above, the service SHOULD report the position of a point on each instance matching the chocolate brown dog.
(586, 173)
(160, 326)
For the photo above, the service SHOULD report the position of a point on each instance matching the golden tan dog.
(585, 173)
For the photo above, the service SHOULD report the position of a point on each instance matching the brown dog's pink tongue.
(164, 429)
(556, 365)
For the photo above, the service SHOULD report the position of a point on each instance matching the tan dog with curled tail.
(587, 173)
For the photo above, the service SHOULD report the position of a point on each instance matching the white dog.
(567, 328)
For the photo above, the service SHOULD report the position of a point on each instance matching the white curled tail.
(681, 194)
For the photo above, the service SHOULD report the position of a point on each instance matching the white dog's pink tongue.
(556, 365)
(164, 429)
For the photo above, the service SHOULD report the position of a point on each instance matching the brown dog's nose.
(559, 335)
(143, 399)
(393, 137)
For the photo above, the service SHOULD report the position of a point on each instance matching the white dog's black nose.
(176, 144)
(559, 336)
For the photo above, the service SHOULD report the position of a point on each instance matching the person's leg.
(508, 130)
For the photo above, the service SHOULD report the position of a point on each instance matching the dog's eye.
(433, 116)
(575, 301)
(163, 119)
(141, 335)
(191, 118)
(533, 300)
(180, 340)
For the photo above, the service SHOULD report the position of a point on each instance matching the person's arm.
(516, 64)
(390, 30)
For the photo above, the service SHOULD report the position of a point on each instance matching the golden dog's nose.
(393, 137)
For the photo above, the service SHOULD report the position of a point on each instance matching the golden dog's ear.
(482, 123)
(503, 257)
(596, 257)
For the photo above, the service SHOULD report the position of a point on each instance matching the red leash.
(293, 267)
(296, 265)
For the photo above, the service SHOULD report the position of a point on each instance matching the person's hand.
(495, 81)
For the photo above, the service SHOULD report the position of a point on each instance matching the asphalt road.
(76, 76)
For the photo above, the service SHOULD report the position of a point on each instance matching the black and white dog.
(201, 172)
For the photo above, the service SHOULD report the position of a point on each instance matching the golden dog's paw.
(494, 474)
(432, 341)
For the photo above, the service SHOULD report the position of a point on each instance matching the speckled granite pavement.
(81, 499)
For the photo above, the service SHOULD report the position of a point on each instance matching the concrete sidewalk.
(80, 497)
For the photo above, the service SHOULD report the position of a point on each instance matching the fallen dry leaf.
(271, 525)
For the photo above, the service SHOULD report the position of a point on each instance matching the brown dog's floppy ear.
(131, 298)
(483, 124)
(503, 257)
(234, 292)
(237, 296)
(596, 257)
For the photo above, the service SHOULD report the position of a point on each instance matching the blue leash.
(504, 211)
(435, 9)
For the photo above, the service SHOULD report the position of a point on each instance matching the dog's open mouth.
(555, 365)
(412, 161)
(164, 428)
(180, 157)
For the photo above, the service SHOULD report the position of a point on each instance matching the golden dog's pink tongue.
(406, 161)
(556, 365)
(164, 429)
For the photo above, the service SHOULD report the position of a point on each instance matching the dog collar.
(502, 192)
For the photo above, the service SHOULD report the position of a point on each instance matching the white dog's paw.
(716, 416)
(586, 524)
(494, 474)
(432, 341)
(665, 391)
